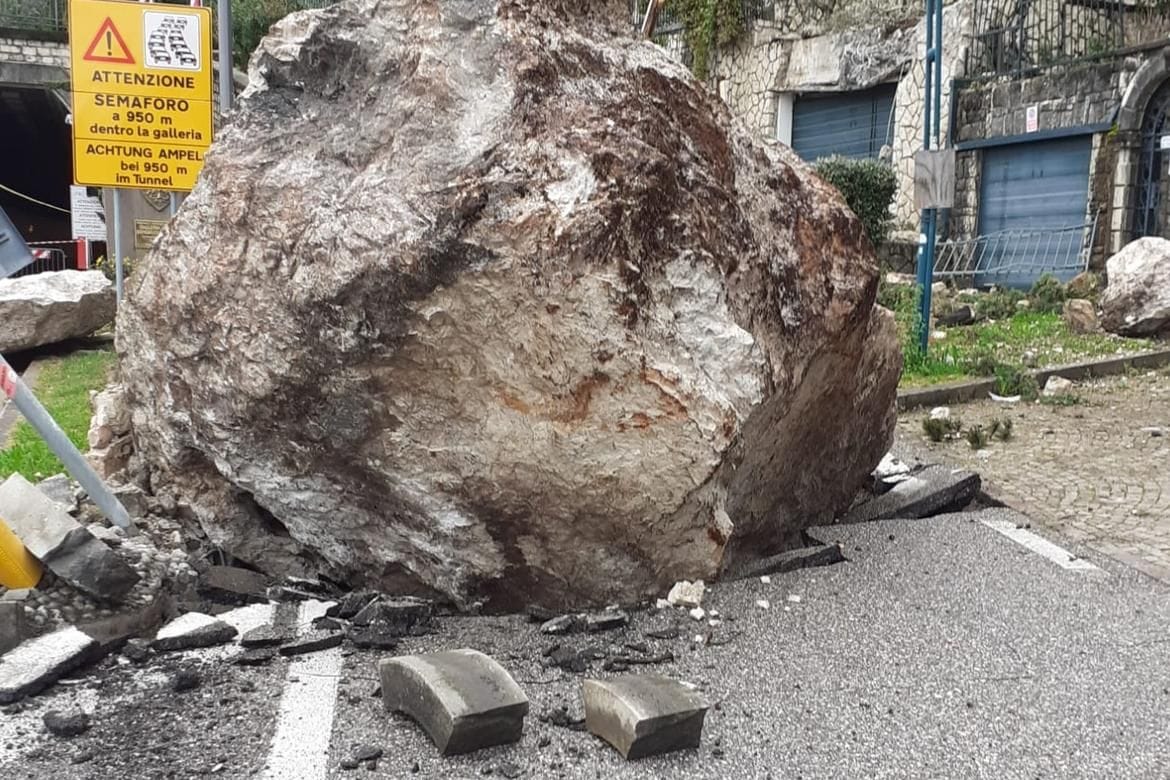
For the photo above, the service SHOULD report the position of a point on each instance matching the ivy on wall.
(707, 25)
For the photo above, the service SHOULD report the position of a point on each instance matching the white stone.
(697, 614)
(686, 593)
(763, 604)
(1056, 385)
(940, 413)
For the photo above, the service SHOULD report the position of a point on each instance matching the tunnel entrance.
(36, 171)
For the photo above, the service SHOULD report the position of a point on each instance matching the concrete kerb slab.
(970, 390)
(644, 714)
(463, 699)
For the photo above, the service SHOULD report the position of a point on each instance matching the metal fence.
(33, 15)
(1012, 37)
(670, 19)
(44, 260)
(1017, 258)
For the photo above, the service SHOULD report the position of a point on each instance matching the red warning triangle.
(108, 46)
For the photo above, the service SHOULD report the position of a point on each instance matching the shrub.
(1000, 303)
(1001, 428)
(1047, 295)
(868, 187)
(106, 266)
(707, 24)
(1016, 380)
(977, 436)
(982, 363)
(939, 428)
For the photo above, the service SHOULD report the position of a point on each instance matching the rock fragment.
(606, 621)
(66, 723)
(63, 545)
(266, 636)
(234, 585)
(687, 594)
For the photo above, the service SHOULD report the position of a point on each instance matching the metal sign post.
(223, 11)
(931, 128)
(15, 255)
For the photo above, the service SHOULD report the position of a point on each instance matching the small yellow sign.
(146, 231)
(142, 92)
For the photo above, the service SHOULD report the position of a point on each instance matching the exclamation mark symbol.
(109, 44)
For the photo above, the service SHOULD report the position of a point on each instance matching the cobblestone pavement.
(1095, 472)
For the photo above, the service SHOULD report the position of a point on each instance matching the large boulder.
(1136, 301)
(46, 308)
(490, 300)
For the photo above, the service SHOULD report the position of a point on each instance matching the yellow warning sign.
(142, 92)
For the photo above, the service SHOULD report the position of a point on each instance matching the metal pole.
(75, 463)
(174, 204)
(118, 245)
(223, 12)
(931, 121)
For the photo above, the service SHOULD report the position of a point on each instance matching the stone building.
(1056, 110)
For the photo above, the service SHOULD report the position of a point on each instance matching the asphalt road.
(941, 649)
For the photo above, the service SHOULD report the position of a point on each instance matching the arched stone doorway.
(1151, 212)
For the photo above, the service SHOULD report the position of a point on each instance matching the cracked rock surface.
(498, 301)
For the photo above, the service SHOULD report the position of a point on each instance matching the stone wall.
(34, 52)
(1066, 97)
(836, 50)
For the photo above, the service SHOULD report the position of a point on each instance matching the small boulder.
(47, 308)
(1086, 284)
(1080, 316)
(66, 723)
(234, 585)
(1056, 385)
(1136, 301)
(312, 642)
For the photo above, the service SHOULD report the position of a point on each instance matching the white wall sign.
(88, 216)
(1032, 118)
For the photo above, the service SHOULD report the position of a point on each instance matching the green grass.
(1046, 336)
(63, 386)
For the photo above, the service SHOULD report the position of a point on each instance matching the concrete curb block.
(977, 389)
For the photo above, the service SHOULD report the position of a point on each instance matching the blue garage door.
(1032, 211)
(851, 124)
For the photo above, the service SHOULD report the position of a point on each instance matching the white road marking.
(1039, 545)
(304, 727)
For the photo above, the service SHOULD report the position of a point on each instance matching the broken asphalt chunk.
(312, 642)
(606, 621)
(559, 625)
(463, 699)
(351, 604)
(40, 662)
(192, 630)
(932, 491)
(790, 560)
(257, 656)
(266, 636)
(233, 585)
(644, 714)
(373, 638)
(62, 544)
